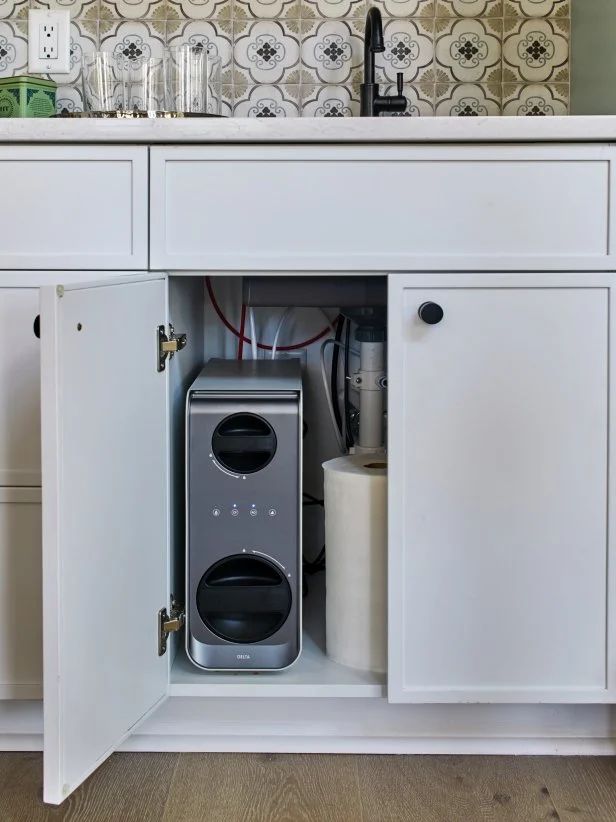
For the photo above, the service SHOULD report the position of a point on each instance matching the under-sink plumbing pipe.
(253, 334)
(285, 315)
(370, 381)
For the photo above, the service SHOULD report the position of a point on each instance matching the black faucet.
(371, 102)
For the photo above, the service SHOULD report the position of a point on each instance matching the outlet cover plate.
(61, 20)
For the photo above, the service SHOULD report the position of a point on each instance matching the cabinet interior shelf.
(313, 675)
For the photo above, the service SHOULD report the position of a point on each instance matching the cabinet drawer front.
(21, 647)
(378, 208)
(498, 499)
(20, 393)
(73, 207)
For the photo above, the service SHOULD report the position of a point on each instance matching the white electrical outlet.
(49, 41)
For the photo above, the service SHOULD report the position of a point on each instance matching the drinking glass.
(103, 88)
(191, 80)
(144, 84)
(214, 85)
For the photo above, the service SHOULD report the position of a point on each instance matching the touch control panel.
(252, 511)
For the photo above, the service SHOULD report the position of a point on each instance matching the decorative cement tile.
(537, 100)
(467, 100)
(267, 101)
(467, 49)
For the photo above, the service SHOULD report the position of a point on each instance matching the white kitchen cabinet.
(381, 208)
(500, 588)
(501, 571)
(21, 640)
(20, 415)
(83, 207)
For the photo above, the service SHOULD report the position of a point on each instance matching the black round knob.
(36, 326)
(430, 313)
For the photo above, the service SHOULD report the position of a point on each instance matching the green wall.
(593, 57)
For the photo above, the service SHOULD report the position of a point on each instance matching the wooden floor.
(306, 788)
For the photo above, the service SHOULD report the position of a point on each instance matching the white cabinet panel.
(73, 207)
(379, 207)
(21, 640)
(105, 519)
(20, 398)
(498, 490)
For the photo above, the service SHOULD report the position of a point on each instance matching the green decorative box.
(27, 97)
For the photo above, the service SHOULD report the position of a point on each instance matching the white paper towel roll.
(356, 561)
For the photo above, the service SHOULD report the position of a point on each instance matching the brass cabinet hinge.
(168, 344)
(169, 622)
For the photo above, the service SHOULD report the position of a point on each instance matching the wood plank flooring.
(319, 788)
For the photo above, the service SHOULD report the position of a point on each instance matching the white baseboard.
(347, 726)
(21, 742)
(480, 746)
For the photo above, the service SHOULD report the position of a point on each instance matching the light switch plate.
(49, 41)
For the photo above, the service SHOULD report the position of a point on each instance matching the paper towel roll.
(356, 561)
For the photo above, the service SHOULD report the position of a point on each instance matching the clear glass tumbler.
(145, 84)
(214, 85)
(191, 79)
(103, 86)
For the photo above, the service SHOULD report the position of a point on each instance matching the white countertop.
(312, 130)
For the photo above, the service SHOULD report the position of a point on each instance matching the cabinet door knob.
(36, 326)
(430, 313)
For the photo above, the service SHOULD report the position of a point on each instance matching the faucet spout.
(373, 42)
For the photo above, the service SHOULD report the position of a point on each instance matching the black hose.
(333, 385)
(347, 404)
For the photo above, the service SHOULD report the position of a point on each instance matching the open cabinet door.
(105, 519)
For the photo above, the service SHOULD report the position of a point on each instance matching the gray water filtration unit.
(243, 494)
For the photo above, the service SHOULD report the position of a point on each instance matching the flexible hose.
(333, 382)
(247, 340)
(240, 342)
(253, 334)
(326, 386)
(285, 315)
(348, 434)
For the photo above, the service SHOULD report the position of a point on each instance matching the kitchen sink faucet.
(372, 103)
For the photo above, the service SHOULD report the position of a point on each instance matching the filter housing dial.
(244, 598)
(244, 443)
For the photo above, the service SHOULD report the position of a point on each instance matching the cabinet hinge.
(169, 622)
(168, 344)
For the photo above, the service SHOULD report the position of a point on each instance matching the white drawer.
(21, 643)
(380, 207)
(73, 207)
(20, 394)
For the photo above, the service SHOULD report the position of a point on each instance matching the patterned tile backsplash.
(291, 58)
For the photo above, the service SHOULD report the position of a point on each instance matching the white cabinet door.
(105, 519)
(498, 490)
(20, 418)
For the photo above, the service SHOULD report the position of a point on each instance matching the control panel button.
(272, 512)
(216, 512)
(235, 512)
(253, 512)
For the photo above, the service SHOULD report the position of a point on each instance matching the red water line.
(240, 343)
(243, 339)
